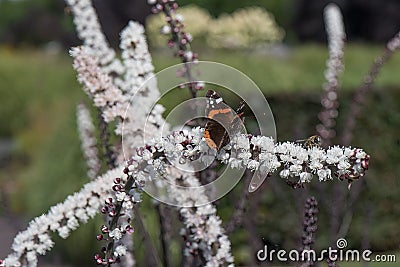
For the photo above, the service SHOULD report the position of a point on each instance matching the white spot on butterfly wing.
(219, 100)
(210, 103)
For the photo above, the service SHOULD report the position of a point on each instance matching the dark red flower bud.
(116, 188)
(104, 229)
(112, 213)
(104, 210)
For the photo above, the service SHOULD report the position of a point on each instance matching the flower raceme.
(334, 67)
(62, 218)
(256, 153)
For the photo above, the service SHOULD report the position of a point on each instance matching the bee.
(312, 141)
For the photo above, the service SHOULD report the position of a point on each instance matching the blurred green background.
(41, 161)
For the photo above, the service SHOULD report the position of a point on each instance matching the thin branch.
(105, 141)
(362, 92)
(165, 229)
(152, 257)
(237, 217)
(179, 39)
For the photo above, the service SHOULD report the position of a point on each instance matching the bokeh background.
(282, 48)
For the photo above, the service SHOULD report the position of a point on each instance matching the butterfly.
(219, 114)
(312, 141)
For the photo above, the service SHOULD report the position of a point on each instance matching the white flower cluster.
(131, 104)
(136, 60)
(394, 43)
(137, 68)
(259, 153)
(139, 86)
(61, 218)
(87, 135)
(90, 32)
(335, 30)
(98, 84)
(336, 38)
(262, 154)
(202, 226)
(204, 229)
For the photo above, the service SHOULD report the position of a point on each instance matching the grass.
(301, 69)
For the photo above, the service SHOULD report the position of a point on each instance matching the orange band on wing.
(214, 112)
(209, 141)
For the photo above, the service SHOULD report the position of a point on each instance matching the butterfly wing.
(221, 117)
(256, 181)
(215, 134)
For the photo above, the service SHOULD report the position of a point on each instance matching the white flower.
(264, 143)
(63, 232)
(343, 165)
(127, 205)
(242, 142)
(317, 154)
(214, 228)
(360, 154)
(189, 37)
(253, 165)
(225, 248)
(88, 139)
(315, 165)
(81, 214)
(324, 174)
(147, 155)
(335, 30)
(235, 163)
(166, 29)
(194, 220)
(206, 210)
(244, 156)
(31, 257)
(179, 18)
(120, 196)
(120, 251)
(72, 223)
(189, 55)
(305, 177)
(333, 155)
(295, 169)
(116, 234)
